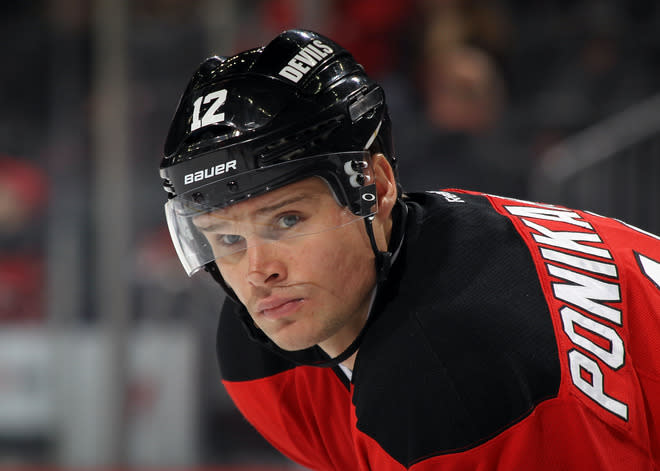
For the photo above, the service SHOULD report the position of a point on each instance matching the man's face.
(301, 290)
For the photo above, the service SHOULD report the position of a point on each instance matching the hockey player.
(370, 329)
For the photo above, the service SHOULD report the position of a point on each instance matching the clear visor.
(288, 215)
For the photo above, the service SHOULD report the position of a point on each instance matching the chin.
(297, 335)
(290, 345)
(292, 339)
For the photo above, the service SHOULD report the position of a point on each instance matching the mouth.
(277, 308)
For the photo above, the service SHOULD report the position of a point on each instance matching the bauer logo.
(307, 58)
(207, 173)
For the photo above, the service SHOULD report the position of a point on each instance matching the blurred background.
(107, 355)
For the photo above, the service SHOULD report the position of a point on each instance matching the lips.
(275, 308)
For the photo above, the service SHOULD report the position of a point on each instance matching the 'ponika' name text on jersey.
(575, 255)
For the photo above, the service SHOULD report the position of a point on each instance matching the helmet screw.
(232, 186)
(198, 197)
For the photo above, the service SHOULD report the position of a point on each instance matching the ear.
(386, 188)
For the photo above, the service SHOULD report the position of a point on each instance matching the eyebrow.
(214, 227)
(286, 202)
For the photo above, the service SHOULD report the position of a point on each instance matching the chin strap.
(383, 262)
(383, 259)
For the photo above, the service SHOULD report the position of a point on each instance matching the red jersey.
(508, 336)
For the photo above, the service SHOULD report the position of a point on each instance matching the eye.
(229, 239)
(287, 221)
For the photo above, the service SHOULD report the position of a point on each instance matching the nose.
(266, 264)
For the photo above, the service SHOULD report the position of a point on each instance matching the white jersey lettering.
(599, 349)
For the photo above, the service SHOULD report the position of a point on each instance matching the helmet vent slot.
(297, 144)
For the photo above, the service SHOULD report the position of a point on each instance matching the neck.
(342, 340)
(350, 362)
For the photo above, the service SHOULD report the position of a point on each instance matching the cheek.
(342, 265)
(236, 279)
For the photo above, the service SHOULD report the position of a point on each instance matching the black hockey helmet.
(267, 117)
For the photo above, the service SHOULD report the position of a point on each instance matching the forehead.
(310, 189)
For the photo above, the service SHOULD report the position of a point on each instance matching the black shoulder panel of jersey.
(466, 346)
(239, 357)
(242, 358)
